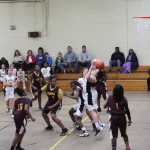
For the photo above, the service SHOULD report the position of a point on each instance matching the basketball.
(99, 64)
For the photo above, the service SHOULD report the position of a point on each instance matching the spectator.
(117, 59)
(30, 60)
(5, 62)
(70, 59)
(2, 72)
(131, 62)
(59, 60)
(84, 59)
(49, 59)
(148, 81)
(18, 60)
(40, 57)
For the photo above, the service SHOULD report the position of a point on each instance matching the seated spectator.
(2, 72)
(14, 70)
(59, 60)
(5, 62)
(70, 59)
(84, 59)
(117, 59)
(21, 77)
(131, 62)
(46, 71)
(30, 60)
(18, 60)
(40, 57)
(148, 81)
(49, 59)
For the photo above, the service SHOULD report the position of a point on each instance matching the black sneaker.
(40, 108)
(19, 148)
(50, 127)
(98, 131)
(64, 132)
(31, 104)
(99, 109)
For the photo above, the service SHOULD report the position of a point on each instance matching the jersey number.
(117, 106)
(20, 106)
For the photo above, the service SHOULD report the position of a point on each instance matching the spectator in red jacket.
(30, 60)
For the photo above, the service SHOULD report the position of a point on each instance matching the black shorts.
(117, 121)
(34, 91)
(53, 111)
(101, 90)
(20, 125)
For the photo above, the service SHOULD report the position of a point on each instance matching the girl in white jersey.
(46, 71)
(91, 97)
(9, 83)
(21, 77)
(2, 72)
(78, 108)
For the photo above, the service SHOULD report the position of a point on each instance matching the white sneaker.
(75, 126)
(12, 116)
(103, 125)
(84, 134)
(98, 131)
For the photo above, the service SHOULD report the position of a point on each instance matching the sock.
(12, 148)
(97, 125)
(100, 123)
(83, 129)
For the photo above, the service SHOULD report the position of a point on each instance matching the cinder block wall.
(99, 24)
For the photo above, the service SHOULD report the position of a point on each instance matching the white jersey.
(9, 79)
(75, 92)
(2, 74)
(46, 72)
(89, 92)
(20, 75)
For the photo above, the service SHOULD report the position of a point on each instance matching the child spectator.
(59, 60)
(49, 59)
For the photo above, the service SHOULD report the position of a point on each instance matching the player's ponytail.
(118, 93)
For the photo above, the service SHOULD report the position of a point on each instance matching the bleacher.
(136, 81)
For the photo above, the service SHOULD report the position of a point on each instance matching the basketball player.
(101, 87)
(53, 105)
(10, 84)
(36, 84)
(118, 105)
(77, 108)
(82, 80)
(21, 77)
(91, 96)
(21, 112)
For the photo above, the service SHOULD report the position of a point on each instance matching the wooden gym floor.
(38, 139)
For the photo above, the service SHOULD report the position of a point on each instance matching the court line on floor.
(64, 137)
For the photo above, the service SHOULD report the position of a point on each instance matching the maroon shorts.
(34, 91)
(53, 111)
(20, 125)
(101, 90)
(118, 121)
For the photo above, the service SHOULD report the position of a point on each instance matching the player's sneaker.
(50, 127)
(84, 134)
(99, 109)
(19, 148)
(40, 109)
(7, 110)
(64, 132)
(103, 125)
(12, 116)
(76, 127)
(128, 149)
(98, 131)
